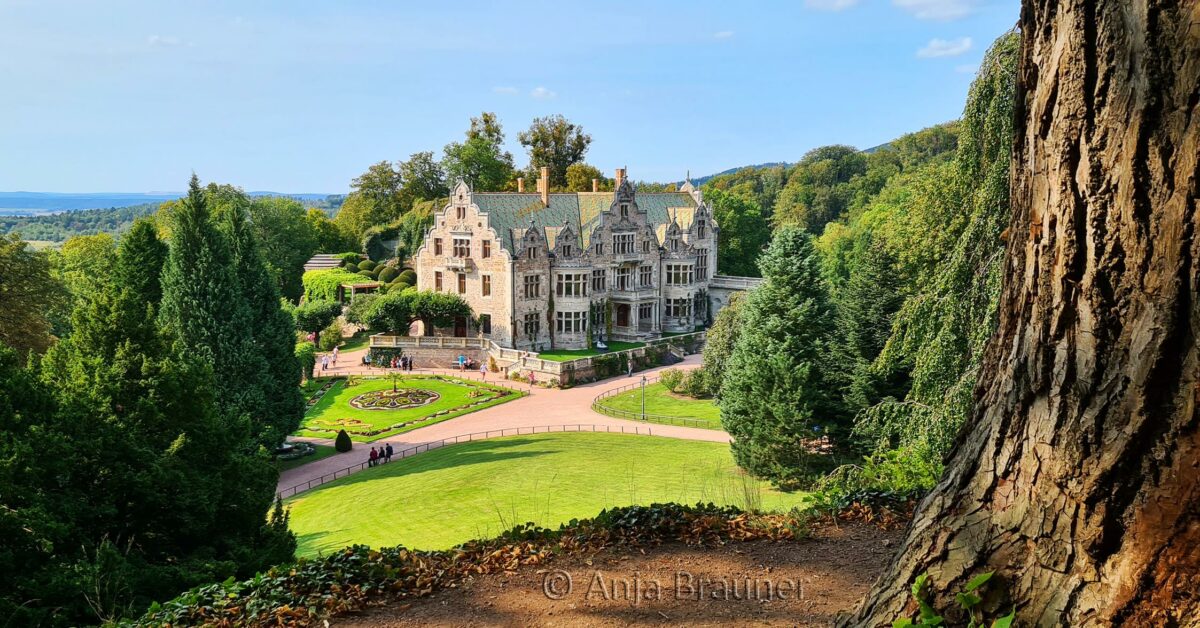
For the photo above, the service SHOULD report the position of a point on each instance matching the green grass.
(475, 490)
(334, 411)
(564, 355)
(662, 402)
(323, 451)
(355, 342)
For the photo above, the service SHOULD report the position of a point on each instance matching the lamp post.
(643, 397)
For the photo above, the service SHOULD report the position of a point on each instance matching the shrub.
(408, 276)
(694, 384)
(398, 286)
(330, 337)
(316, 315)
(388, 274)
(357, 312)
(366, 273)
(322, 285)
(366, 265)
(306, 354)
(350, 267)
(343, 443)
(349, 258)
(671, 379)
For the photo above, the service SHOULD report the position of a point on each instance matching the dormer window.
(462, 213)
(700, 229)
(624, 210)
(532, 252)
(566, 250)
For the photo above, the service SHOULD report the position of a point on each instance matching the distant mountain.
(36, 203)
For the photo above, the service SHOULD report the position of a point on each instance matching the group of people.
(380, 456)
(329, 359)
(402, 362)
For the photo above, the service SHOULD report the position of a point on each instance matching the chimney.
(619, 178)
(520, 184)
(544, 183)
(595, 185)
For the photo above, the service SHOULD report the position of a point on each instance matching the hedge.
(322, 285)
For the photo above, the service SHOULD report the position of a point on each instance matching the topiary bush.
(314, 316)
(366, 273)
(366, 265)
(388, 274)
(343, 443)
(350, 267)
(409, 276)
(349, 257)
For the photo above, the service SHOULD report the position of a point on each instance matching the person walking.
(335, 354)
(324, 364)
(482, 372)
(388, 453)
(373, 459)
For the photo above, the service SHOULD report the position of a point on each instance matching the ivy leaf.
(967, 600)
(1006, 621)
(979, 581)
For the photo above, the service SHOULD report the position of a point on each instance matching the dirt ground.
(802, 583)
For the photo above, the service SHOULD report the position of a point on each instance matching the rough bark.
(1076, 479)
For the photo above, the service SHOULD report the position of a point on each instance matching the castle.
(564, 270)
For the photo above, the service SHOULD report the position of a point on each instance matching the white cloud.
(945, 48)
(163, 40)
(830, 5)
(505, 90)
(541, 93)
(943, 10)
(722, 34)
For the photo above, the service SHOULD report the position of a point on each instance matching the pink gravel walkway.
(543, 407)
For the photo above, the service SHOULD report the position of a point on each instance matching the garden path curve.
(543, 407)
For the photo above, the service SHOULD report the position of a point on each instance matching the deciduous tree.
(555, 142)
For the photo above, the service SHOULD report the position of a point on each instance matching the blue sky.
(302, 96)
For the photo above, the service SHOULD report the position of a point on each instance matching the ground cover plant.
(335, 408)
(661, 402)
(322, 451)
(466, 491)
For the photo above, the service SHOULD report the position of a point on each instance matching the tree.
(381, 185)
(720, 340)
(358, 214)
(423, 180)
(1074, 478)
(204, 308)
(775, 392)
(865, 309)
(744, 232)
(286, 238)
(818, 188)
(29, 294)
(313, 316)
(392, 312)
(481, 160)
(580, 175)
(555, 142)
(330, 236)
(140, 262)
(272, 329)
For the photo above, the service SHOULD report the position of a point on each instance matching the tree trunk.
(1077, 479)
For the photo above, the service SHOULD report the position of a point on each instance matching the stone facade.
(565, 270)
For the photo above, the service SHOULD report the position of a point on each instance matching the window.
(646, 276)
(485, 285)
(533, 286)
(599, 248)
(700, 231)
(462, 213)
(622, 243)
(437, 246)
(679, 274)
(485, 323)
(645, 246)
(571, 285)
(485, 250)
(624, 210)
(462, 247)
(462, 283)
(567, 251)
(702, 266)
(437, 280)
(645, 313)
(533, 324)
(624, 278)
(570, 322)
(531, 252)
(679, 308)
(599, 279)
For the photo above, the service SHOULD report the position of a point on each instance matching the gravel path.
(543, 407)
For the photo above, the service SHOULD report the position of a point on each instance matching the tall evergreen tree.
(721, 339)
(273, 331)
(140, 261)
(204, 308)
(866, 306)
(775, 395)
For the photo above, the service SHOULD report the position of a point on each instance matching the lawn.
(355, 342)
(456, 397)
(323, 451)
(563, 355)
(450, 495)
(662, 402)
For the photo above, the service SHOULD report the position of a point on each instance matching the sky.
(298, 96)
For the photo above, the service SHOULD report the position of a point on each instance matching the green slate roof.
(513, 211)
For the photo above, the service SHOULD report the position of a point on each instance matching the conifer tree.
(140, 262)
(776, 394)
(866, 306)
